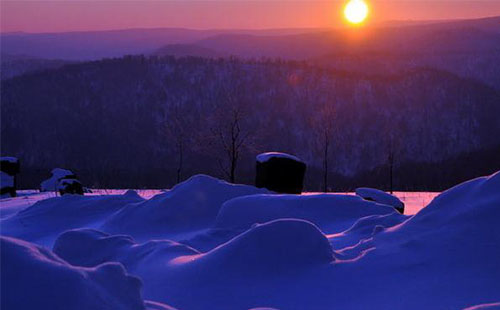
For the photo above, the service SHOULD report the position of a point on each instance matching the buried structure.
(9, 166)
(382, 197)
(52, 183)
(280, 172)
(70, 186)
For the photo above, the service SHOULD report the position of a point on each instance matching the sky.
(77, 15)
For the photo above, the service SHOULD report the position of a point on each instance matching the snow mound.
(57, 175)
(489, 306)
(454, 241)
(88, 247)
(330, 212)
(262, 158)
(34, 278)
(132, 194)
(46, 219)
(365, 228)
(9, 159)
(190, 205)
(474, 202)
(380, 197)
(278, 246)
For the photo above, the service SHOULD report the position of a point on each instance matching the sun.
(356, 11)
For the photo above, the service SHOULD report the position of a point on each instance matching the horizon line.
(380, 23)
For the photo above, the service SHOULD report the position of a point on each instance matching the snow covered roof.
(51, 183)
(59, 172)
(9, 159)
(379, 196)
(261, 158)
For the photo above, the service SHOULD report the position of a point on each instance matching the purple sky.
(69, 15)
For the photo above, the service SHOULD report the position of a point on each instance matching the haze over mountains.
(469, 48)
(465, 35)
(434, 86)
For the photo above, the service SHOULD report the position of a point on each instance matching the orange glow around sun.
(356, 11)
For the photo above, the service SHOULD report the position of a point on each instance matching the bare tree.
(231, 131)
(390, 161)
(393, 149)
(328, 122)
(175, 129)
(232, 135)
(324, 123)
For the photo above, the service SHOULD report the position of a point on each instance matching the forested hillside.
(132, 121)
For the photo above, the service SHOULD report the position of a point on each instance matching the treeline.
(149, 122)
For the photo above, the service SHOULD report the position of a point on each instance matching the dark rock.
(9, 167)
(280, 172)
(70, 186)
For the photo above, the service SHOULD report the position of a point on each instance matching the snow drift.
(45, 220)
(330, 212)
(380, 197)
(286, 251)
(273, 247)
(190, 205)
(89, 247)
(34, 278)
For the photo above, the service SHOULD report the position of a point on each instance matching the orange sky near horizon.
(60, 16)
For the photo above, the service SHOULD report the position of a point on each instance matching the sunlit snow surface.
(26, 198)
(414, 201)
(208, 244)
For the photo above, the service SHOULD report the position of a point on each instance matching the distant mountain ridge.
(284, 43)
(93, 45)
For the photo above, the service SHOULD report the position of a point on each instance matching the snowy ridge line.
(244, 248)
(264, 157)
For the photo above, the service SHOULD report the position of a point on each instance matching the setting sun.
(356, 11)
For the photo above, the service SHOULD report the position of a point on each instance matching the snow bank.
(149, 260)
(57, 175)
(330, 212)
(380, 197)
(261, 158)
(468, 204)
(444, 257)
(454, 242)
(9, 159)
(46, 219)
(88, 247)
(365, 228)
(277, 246)
(190, 205)
(34, 278)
